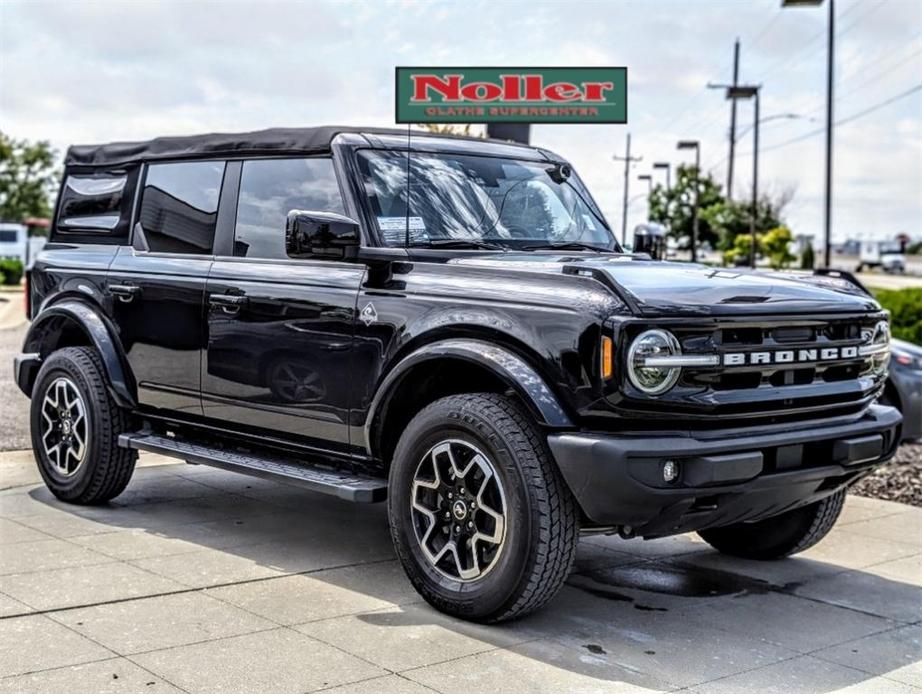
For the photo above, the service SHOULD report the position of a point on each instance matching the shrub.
(807, 259)
(905, 306)
(11, 269)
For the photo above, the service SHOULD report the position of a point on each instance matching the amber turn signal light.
(607, 361)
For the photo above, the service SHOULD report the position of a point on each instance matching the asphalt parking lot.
(199, 580)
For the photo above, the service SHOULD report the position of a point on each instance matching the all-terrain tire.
(778, 536)
(105, 468)
(542, 518)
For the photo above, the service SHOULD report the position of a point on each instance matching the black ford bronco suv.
(450, 324)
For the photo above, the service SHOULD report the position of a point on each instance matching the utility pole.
(627, 159)
(736, 74)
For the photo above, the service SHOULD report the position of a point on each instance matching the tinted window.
(8, 236)
(92, 202)
(179, 206)
(269, 190)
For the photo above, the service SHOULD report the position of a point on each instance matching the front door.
(279, 331)
(158, 284)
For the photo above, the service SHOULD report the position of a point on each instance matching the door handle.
(229, 303)
(124, 292)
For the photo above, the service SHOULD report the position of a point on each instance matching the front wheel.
(779, 536)
(481, 519)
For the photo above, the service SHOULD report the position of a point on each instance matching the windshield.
(487, 200)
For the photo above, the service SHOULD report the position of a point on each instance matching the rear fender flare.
(43, 335)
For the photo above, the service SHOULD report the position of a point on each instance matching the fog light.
(670, 471)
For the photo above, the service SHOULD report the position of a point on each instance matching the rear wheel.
(75, 428)
(482, 522)
(778, 536)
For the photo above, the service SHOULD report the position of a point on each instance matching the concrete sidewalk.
(198, 580)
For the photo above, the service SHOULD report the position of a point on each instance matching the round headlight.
(653, 380)
(879, 343)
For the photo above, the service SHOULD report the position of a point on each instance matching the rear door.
(279, 340)
(158, 283)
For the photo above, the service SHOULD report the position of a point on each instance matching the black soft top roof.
(260, 142)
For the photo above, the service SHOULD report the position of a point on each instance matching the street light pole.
(830, 62)
(751, 92)
(755, 180)
(695, 145)
(665, 165)
(649, 179)
(830, 99)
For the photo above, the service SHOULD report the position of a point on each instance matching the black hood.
(654, 288)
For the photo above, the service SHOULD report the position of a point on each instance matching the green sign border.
(543, 120)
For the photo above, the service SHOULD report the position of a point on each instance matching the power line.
(873, 78)
(808, 44)
(813, 133)
(842, 121)
(685, 111)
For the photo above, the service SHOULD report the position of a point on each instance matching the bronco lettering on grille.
(790, 356)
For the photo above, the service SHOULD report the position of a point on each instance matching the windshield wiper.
(460, 243)
(567, 246)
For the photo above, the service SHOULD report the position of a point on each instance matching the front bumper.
(725, 476)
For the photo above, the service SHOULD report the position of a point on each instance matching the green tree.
(776, 244)
(673, 208)
(27, 178)
(731, 219)
(741, 251)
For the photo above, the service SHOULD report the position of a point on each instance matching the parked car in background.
(888, 256)
(13, 240)
(15, 243)
(904, 386)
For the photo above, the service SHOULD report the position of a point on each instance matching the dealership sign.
(512, 95)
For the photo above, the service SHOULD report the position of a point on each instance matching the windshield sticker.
(394, 230)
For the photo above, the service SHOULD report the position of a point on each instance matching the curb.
(11, 315)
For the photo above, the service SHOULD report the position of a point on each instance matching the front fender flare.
(43, 333)
(508, 366)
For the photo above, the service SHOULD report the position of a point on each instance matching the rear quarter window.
(95, 206)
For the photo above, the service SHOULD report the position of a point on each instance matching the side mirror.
(320, 235)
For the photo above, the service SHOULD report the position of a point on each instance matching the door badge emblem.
(368, 314)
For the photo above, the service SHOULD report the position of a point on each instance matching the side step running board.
(345, 485)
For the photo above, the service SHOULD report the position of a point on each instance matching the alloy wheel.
(65, 426)
(458, 507)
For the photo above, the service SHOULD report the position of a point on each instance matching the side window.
(269, 190)
(95, 205)
(91, 202)
(179, 206)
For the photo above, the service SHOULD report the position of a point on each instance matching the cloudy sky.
(97, 71)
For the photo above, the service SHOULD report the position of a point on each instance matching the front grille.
(762, 391)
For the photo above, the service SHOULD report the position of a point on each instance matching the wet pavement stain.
(672, 580)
